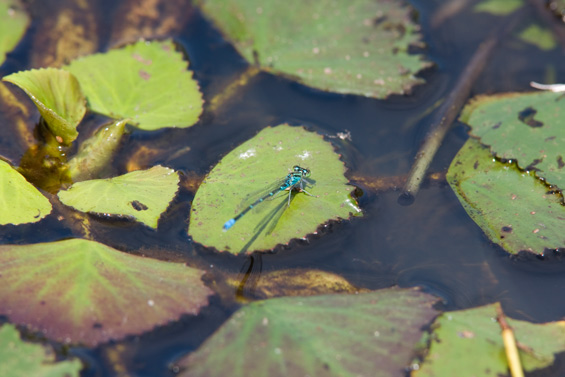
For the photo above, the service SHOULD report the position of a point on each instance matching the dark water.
(432, 243)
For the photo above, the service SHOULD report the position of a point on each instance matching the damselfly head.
(305, 172)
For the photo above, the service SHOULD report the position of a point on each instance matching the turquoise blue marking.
(295, 180)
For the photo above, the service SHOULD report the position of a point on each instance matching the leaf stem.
(449, 110)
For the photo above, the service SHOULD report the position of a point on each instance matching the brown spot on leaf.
(532, 166)
(141, 59)
(560, 162)
(496, 125)
(138, 206)
(527, 117)
(507, 229)
(144, 75)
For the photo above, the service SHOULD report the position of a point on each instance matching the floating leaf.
(541, 37)
(260, 162)
(147, 82)
(79, 291)
(20, 202)
(512, 207)
(528, 128)
(369, 334)
(19, 358)
(95, 153)
(357, 46)
(58, 97)
(468, 343)
(13, 24)
(143, 195)
(498, 7)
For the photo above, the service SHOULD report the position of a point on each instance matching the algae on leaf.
(357, 46)
(79, 291)
(146, 82)
(13, 24)
(254, 168)
(58, 97)
(367, 334)
(23, 359)
(512, 207)
(20, 202)
(468, 343)
(143, 195)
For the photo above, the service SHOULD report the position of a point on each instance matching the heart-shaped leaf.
(143, 195)
(513, 208)
(254, 168)
(146, 82)
(369, 334)
(468, 343)
(355, 46)
(79, 291)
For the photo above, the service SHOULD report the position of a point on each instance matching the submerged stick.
(510, 347)
(450, 109)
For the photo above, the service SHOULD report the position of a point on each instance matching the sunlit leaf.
(369, 334)
(13, 24)
(95, 153)
(20, 202)
(143, 195)
(79, 291)
(356, 46)
(19, 358)
(513, 208)
(58, 97)
(468, 343)
(528, 128)
(250, 171)
(147, 82)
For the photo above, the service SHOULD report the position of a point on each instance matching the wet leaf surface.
(57, 96)
(334, 335)
(19, 358)
(20, 202)
(250, 171)
(512, 207)
(142, 195)
(146, 82)
(79, 291)
(528, 128)
(468, 343)
(358, 47)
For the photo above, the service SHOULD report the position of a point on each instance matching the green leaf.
(13, 24)
(95, 153)
(356, 46)
(468, 343)
(498, 7)
(23, 359)
(143, 195)
(58, 97)
(147, 82)
(369, 334)
(79, 291)
(257, 164)
(541, 37)
(20, 202)
(528, 128)
(512, 207)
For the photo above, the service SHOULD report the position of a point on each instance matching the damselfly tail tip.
(228, 224)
